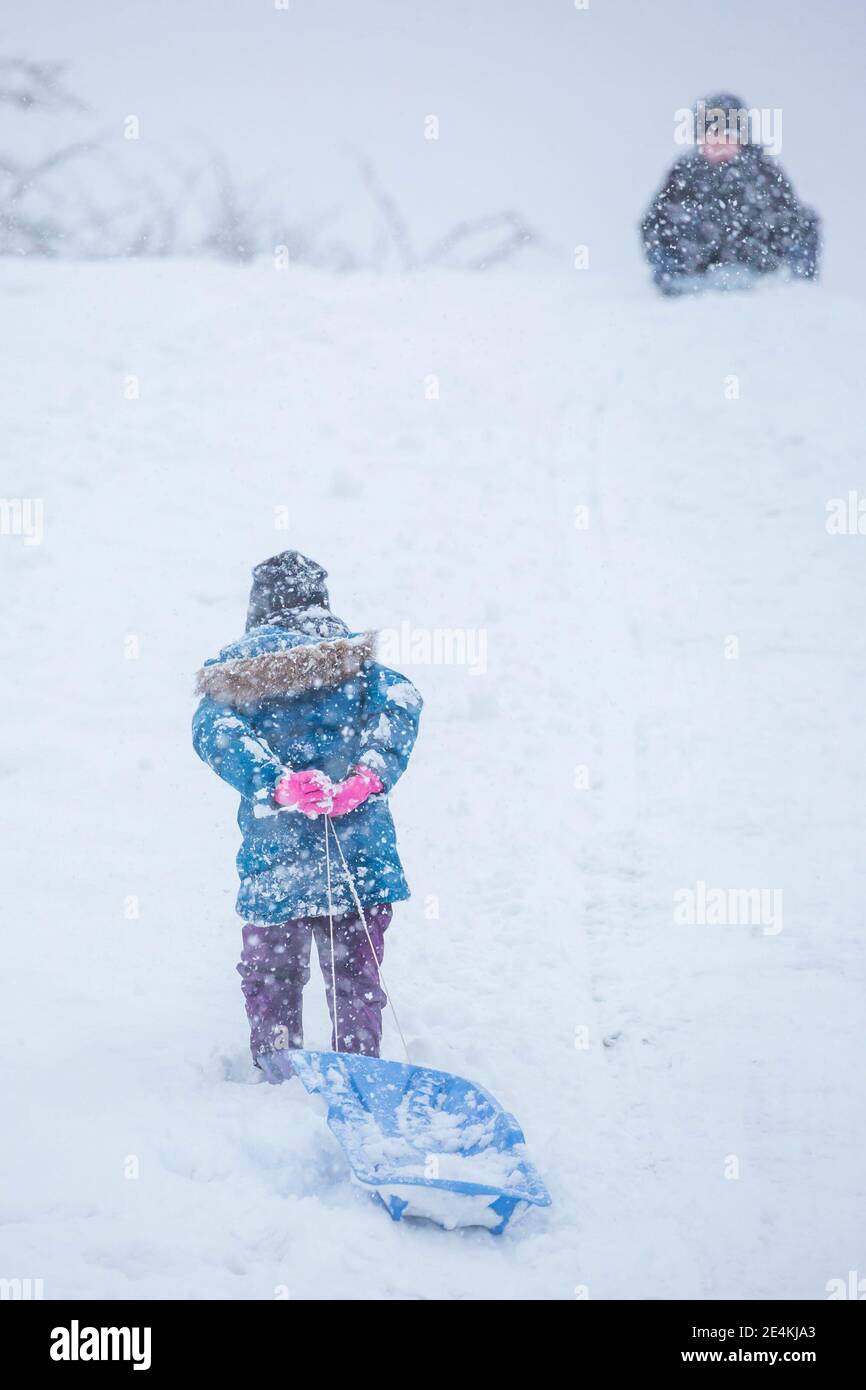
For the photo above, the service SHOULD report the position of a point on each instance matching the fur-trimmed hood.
(270, 662)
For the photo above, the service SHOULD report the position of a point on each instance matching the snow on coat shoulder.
(277, 700)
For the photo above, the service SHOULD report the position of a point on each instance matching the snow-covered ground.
(693, 1095)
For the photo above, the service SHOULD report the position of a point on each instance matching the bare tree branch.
(389, 211)
(26, 84)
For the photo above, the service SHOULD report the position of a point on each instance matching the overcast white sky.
(567, 114)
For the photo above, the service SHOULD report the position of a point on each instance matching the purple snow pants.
(275, 965)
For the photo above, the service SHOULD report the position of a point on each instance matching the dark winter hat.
(284, 583)
(736, 118)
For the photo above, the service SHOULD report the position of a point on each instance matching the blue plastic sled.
(428, 1144)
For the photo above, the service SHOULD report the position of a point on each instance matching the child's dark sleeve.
(668, 215)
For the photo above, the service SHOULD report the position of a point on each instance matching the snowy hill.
(608, 489)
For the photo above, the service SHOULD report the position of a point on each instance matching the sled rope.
(361, 914)
(331, 934)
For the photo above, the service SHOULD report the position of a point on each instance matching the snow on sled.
(428, 1144)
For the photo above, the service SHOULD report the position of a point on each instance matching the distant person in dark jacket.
(726, 213)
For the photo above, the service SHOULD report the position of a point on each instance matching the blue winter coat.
(279, 700)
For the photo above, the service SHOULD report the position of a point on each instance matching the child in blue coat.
(313, 733)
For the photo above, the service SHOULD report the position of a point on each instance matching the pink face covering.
(720, 150)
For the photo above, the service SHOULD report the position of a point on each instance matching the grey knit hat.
(284, 584)
(723, 111)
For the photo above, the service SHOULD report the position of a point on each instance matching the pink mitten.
(309, 791)
(350, 793)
